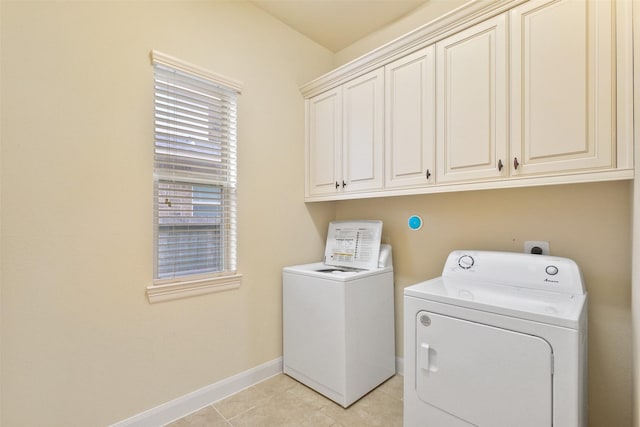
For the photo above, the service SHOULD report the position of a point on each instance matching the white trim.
(162, 291)
(400, 366)
(164, 59)
(635, 228)
(624, 83)
(194, 401)
(514, 182)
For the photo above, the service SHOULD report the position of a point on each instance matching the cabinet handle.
(337, 185)
(344, 184)
(428, 174)
(500, 165)
(515, 163)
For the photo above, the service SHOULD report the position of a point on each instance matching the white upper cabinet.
(410, 120)
(363, 132)
(562, 82)
(345, 125)
(496, 94)
(324, 143)
(471, 107)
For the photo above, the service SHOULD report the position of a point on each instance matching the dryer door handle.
(424, 356)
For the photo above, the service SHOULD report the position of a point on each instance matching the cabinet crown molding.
(468, 14)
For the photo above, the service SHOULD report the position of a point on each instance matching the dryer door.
(483, 375)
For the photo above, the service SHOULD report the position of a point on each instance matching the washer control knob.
(551, 270)
(466, 261)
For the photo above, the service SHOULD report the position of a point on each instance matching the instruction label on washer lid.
(354, 244)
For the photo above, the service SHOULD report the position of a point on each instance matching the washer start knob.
(466, 261)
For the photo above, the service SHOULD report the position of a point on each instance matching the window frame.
(203, 283)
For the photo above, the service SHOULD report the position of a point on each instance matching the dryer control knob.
(466, 261)
(551, 270)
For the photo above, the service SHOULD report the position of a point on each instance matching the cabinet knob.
(428, 174)
(344, 184)
(500, 165)
(515, 163)
(337, 185)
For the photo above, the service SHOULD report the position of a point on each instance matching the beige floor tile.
(295, 406)
(378, 408)
(205, 417)
(283, 402)
(394, 386)
(255, 396)
(283, 414)
(302, 394)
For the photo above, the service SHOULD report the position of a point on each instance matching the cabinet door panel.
(363, 132)
(562, 99)
(471, 109)
(324, 142)
(410, 120)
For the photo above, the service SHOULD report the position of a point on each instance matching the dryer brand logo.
(551, 281)
(425, 320)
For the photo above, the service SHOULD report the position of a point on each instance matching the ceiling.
(336, 24)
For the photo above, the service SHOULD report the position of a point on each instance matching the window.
(194, 180)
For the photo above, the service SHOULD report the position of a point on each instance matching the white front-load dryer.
(498, 341)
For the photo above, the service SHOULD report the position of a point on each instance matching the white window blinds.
(194, 173)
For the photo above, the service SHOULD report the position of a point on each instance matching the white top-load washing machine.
(338, 315)
(498, 341)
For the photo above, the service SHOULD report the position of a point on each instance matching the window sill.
(163, 291)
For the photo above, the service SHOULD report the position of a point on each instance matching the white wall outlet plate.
(531, 247)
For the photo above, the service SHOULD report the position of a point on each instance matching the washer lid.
(353, 244)
(328, 272)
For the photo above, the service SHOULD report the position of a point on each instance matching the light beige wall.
(590, 223)
(636, 227)
(81, 346)
(80, 343)
(428, 12)
(1, 339)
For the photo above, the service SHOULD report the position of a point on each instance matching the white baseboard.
(191, 402)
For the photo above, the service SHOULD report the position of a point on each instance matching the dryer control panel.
(519, 270)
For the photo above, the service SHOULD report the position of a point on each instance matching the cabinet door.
(324, 142)
(562, 67)
(363, 114)
(410, 120)
(471, 103)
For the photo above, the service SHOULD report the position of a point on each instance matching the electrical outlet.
(530, 245)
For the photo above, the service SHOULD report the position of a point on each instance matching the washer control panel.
(516, 269)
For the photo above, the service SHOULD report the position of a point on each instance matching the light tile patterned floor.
(283, 402)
